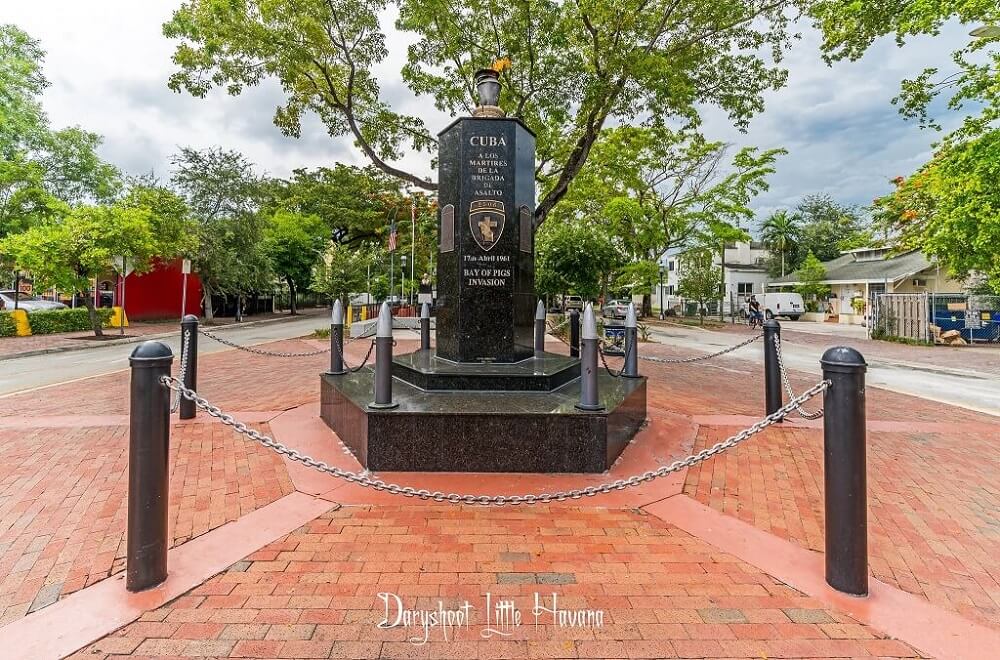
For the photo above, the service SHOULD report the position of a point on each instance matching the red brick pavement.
(933, 503)
(662, 593)
(63, 506)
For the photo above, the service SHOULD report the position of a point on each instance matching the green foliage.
(700, 278)
(949, 208)
(7, 326)
(77, 319)
(850, 28)
(73, 171)
(811, 274)
(293, 242)
(638, 277)
(22, 121)
(781, 233)
(578, 66)
(343, 271)
(379, 287)
(826, 228)
(574, 257)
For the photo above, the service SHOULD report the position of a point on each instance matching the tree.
(293, 243)
(574, 257)
(70, 253)
(811, 274)
(22, 121)
(578, 66)
(850, 28)
(700, 278)
(780, 233)
(73, 171)
(343, 271)
(222, 191)
(948, 208)
(826, 228)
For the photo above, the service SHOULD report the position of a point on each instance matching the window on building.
(744, 288)
(670, 289)
(670, 265)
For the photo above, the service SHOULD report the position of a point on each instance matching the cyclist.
(753, 309)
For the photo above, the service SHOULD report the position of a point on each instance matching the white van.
(789, 305)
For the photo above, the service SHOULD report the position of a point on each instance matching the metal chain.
(361, 366)
(365, 479)
(699, 358)
(554, 329)
(805, 414)
(604, 360)
(260, 351)
(185, 351)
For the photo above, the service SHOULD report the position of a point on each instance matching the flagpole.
(413, 243)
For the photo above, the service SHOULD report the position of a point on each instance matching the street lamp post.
(402, 277)
(662, 316)
(17, 288)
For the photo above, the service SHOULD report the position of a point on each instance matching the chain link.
(699, 358)
(261, 351)
(805, 414)
(628, 352)
(368, 481)
(182, 374)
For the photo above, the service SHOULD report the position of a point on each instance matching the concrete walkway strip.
(928, 628)
(92, 613)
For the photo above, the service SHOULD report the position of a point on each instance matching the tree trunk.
(291, 296)
(206, 301)
(95, 322)
(647, 304)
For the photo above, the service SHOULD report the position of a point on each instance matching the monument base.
(483, 431)
(425, 371)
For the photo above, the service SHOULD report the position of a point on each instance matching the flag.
(392, 237)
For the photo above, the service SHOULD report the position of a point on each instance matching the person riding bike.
(753, 309)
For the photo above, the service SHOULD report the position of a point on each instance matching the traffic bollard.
(425, 327)
(772, 373)
(383, 360)
(589, 395)
(337, 340)
(631, 368)
(189, 329)
(845, 470)
(540, 329)
(148, 467)
(574, 333)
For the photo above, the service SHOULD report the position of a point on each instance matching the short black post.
(574, 333)
(845, 470)
(383, 360)
(337, 340)
(148, 467)
(631, 368)
(540, 329)
(772, 370)
(189, 330)
(425, 327)
(590, 398)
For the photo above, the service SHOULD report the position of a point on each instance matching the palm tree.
(780, 232)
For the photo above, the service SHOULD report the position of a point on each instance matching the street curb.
(136, 340)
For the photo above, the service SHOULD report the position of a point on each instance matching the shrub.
(65, 320)
(7, 326)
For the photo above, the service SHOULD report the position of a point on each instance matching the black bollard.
(189, 326)
(574, 333)
(631, 368)
(425, 327)
(589, 395)
(337, 340)
(148, 467)
(540, 330)
(845, 472)
(772, 371)
(383, 360)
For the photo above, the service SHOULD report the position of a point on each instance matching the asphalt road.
(964, 388)
(38, 371)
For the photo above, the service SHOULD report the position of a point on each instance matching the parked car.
(789, 305)
(26, 302)
(572, 302)
(616, 309)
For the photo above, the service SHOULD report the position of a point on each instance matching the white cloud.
(108, 63)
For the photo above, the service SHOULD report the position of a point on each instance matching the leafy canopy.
(577, 66)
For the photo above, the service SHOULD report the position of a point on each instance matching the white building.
(745, 273)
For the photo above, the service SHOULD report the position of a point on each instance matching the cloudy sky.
(108, 64)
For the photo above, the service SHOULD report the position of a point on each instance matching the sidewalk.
(658, 561)
(17, 347)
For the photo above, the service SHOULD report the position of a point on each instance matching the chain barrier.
(361, 366)
(261, 351)
(804, 414)
(699, 358)
(365, 479)
(182, 374)
(554, 329)
(604, 360)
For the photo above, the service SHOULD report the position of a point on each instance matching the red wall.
(157, 294)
